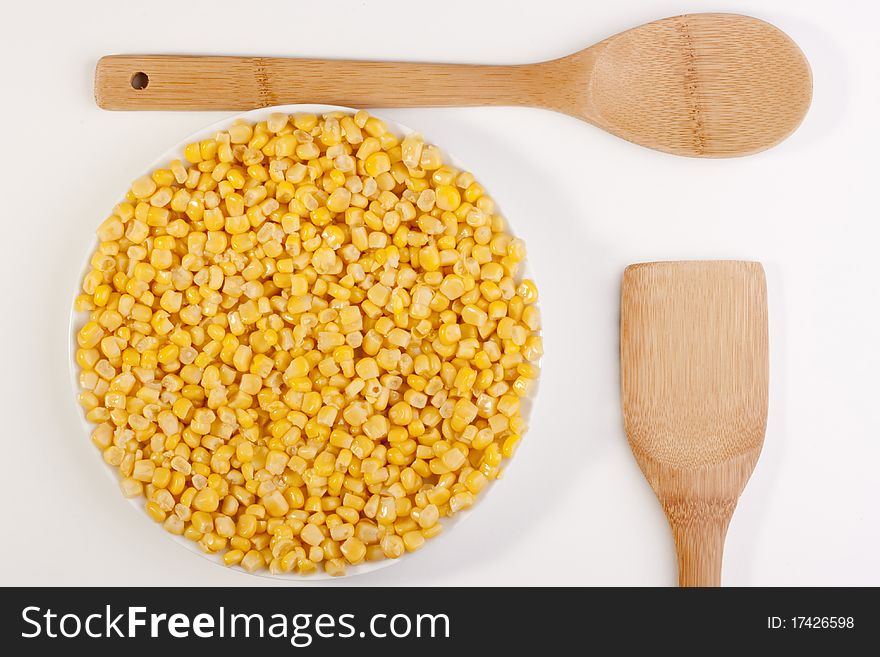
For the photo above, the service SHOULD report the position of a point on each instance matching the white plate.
(78, 319)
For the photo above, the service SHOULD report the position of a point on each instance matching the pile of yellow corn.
(307, 345)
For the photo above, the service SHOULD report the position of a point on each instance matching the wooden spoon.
(708, 85)
(693, 362)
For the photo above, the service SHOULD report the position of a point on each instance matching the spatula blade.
(694, 359)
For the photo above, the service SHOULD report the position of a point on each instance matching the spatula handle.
(169, 82)
(699, 542)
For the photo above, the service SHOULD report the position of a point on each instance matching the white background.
(573, 507)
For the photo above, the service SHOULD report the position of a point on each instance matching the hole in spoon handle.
(140, 80)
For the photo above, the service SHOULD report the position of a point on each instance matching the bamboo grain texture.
(694, 388)
(707, 85)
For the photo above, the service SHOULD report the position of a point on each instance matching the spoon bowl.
(710, 85)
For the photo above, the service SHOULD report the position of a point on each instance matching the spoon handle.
(169, 82)
(699, 529)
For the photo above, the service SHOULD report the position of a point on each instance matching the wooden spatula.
(709, 85)
(693, 363)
